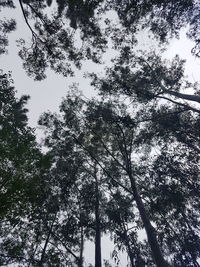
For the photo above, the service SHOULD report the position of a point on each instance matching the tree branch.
(34, 34)
(180, 104)
(194, 98)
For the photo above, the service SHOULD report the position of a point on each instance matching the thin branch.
(101, 141)
(160, 116)
(100, 165)
(26, 20)
(47, 241)
(127, 155)
(37, 13)
(68, 249)
(34, 34)
(107, 150)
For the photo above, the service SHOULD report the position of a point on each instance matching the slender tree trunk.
(46, 243)
(80, 264)
(150, 231)
(97, 228)
(127, 244)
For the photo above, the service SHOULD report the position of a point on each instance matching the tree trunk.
(97, 228)
(194, 98)
(150, 231)
(127, 244)
(80, 264)
(46, 243)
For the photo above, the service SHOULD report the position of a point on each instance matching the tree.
(66, 175)
(164, 19)
(92, 147)
(148, 77)
(90, 181)
(119, 135)
(55, 34)
(121, 154)
(19, 178)
(175, 170)
(168, 126)
(18, 147)
(33, 228)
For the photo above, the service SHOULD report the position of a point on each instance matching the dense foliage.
(73, 31)
(121, 164)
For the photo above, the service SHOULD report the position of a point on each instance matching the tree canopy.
(73, 31)
(124, 164)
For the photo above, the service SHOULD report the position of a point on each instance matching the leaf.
(49, 2)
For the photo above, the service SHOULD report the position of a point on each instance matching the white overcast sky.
(47, 94)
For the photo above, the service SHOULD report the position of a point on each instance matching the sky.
(47, 94)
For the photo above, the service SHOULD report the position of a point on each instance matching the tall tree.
(18, 146)
(120, 136)
(19, 172)
(169, 126)
(108, 167)
(40, 223)
(120, 153)
(90, 180)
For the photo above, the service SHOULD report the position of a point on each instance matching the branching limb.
(180, 104)
(34, 34)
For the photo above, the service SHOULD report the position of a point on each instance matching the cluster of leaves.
(55, 31)
(40, 213)
(110, 167)
(19, 158)
(55, 35)
(107, 135)
(6, 26)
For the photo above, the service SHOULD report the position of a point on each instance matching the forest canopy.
(119, 164)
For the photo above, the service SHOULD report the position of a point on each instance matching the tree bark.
(97, 228)
(150, 231)
(80, 264)
(194, 98)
